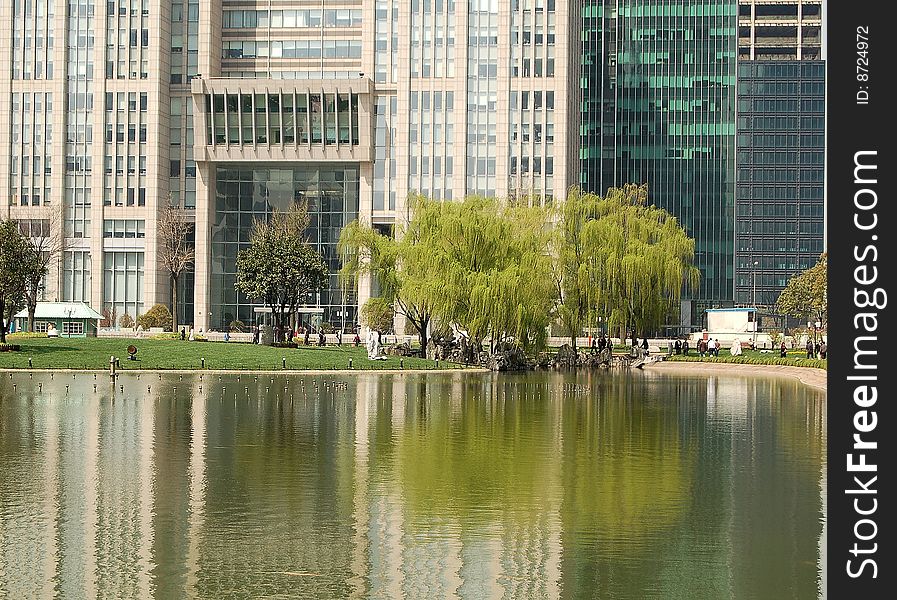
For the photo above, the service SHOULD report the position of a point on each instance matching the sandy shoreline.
(813, 377)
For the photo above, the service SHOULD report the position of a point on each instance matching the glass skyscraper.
(780, 193)
(658, 107)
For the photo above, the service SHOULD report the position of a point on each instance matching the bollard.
(203, 360)
(401, 363)
(112, 366)
(29, 362)
(283, 362)
(350, 363)
(437, 363)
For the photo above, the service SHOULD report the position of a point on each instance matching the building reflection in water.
(402, 485)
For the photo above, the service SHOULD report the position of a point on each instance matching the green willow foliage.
(504, 272)
(620, 259)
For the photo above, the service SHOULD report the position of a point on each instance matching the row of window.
(68, 327)
(286, 19)
(781, 140)
(789, 227)
(781, 123)
(282, 118)
(770, 158)
(780, 175)
(790, 105)
(124, 228)
(779, 209)
(778, 193)
(291, 49)
(29, 196)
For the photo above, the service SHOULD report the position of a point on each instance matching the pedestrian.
(593, 347)
(645, 346)
(306, 340)
(255, 334)
(685, 347)
(183, 334)
(783, 350)
(716, 347)
(810, 349)
(339, 337)
(357, 339)
(711, 346)
(227, 336)
(678, 346)
(823, 349)
(322, 341)
(192, 335)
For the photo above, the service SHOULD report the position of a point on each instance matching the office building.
(719, 106)
(658, 107)
(780, 194)
(231, 109)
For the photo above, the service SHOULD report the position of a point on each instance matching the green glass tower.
(658, 107)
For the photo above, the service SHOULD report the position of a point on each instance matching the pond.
(464, 485)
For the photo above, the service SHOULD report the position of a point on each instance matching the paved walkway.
(817, 378)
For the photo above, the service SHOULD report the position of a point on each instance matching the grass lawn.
(94, 353)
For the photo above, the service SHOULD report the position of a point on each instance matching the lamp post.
(754, 284)
(816, 327)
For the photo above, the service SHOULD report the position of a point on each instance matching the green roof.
(61, 310)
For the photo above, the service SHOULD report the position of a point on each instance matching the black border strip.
(860, 233)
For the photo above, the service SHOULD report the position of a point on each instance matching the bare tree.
(175, 253)
(45, 245)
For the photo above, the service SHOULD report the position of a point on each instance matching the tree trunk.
(32, 308)
(2, 320)
(422, 335)
(174, 303)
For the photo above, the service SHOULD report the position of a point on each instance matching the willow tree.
(489, 268)
(621, 258)
(366, 251)
(805, 296)
(479, 264)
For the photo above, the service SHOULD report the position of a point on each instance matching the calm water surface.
(602, 485)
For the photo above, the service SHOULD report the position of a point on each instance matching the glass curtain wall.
(245, 194)
(658, 85)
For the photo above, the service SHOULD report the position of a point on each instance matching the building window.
(72, 328)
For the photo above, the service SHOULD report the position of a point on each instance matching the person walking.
(711, 347)
(810, 349)
(307, 337)
(678, 346)
(823, 349)
(356, 340)
(645, 345)
(783, 350)
(685, 347)
(322, 341)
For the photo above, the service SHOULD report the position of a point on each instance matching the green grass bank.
(167, 354)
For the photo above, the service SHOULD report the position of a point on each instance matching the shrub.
(10, 347)
(237, 326)
(126, 321)
(157, 316)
